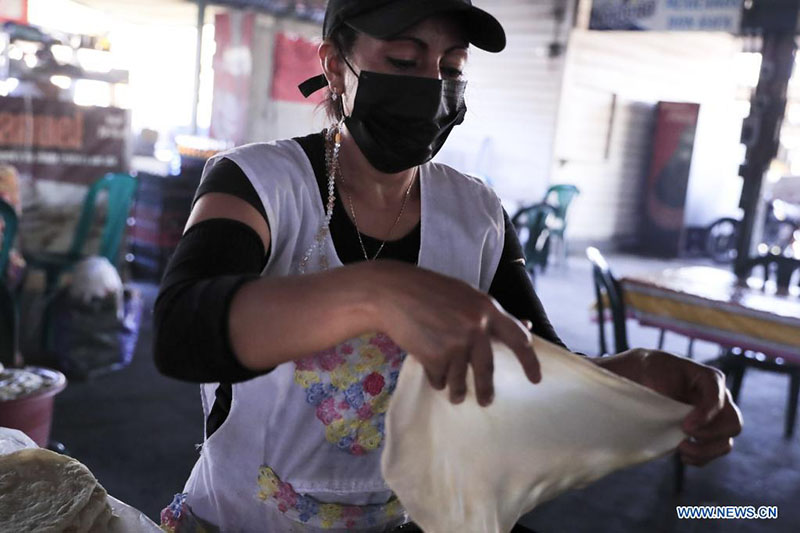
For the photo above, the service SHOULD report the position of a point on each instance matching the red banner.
(14, 10)
(295, 60)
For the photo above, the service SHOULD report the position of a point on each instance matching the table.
(710, 304)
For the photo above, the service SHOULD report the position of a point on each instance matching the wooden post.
(761, 132)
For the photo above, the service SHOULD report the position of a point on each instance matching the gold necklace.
(337, 171)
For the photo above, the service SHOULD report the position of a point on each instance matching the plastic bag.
(91, 338)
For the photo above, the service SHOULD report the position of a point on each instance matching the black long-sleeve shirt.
(216, 257)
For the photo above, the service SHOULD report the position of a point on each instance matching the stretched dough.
(469, 468)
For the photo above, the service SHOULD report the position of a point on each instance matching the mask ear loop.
(346, 62)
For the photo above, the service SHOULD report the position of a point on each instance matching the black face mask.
(400, 122)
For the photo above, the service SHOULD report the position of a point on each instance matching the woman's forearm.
(275, 320)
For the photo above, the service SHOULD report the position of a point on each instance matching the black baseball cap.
(385, 18)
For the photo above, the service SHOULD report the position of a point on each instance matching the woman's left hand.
(715, 419)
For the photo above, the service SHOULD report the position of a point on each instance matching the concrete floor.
(136, 430)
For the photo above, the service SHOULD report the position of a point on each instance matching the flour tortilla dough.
(47, 492)
(103, 523)
(93, 512)
(469, 468)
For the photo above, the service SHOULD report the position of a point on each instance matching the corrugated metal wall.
(507, 137)
(611, 83)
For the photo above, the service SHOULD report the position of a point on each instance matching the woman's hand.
(715, 419)
(447, 325)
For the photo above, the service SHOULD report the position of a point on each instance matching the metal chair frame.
(608, 292)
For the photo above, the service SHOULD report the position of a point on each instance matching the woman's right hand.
(447, 325)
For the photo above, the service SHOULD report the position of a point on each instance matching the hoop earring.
(342, 114)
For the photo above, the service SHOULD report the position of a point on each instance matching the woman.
(310, 267)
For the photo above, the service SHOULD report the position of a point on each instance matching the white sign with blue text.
(666, 15)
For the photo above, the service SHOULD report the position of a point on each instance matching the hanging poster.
(61, 141)
(296, 60)
(666, 15)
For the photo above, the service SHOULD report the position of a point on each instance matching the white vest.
(305, 438)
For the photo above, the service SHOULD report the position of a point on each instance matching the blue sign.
(666, 15)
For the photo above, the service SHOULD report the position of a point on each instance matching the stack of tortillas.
(45, 491)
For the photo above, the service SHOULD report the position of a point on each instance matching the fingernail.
(486, 402)
(459, 397)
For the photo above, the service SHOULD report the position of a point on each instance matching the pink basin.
(33, 413)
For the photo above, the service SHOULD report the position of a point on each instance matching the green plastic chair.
(120, 188)
(560, 197)
(8, 304)
(9, 233)
(531, 224)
